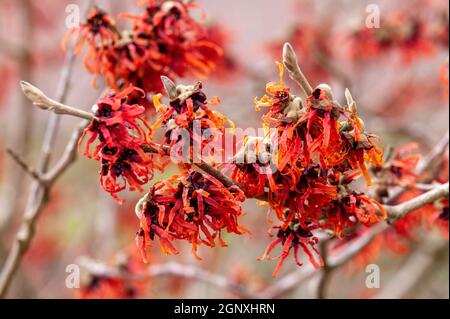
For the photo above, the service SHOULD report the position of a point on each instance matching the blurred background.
(401, 90)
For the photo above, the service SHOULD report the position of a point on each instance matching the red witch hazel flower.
(294, 239)
(120, 131)
(164, 40)
(192, 207)
(98, 30)
(189, 114)
(182, 44)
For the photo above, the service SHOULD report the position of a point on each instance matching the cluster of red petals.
(164, 40)
(407, 33)
(116, 138)
(190, 114)
(193, 207)
(323, 147)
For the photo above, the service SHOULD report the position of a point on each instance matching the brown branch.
(27, 168)
(20, 124)
(437, 152)
(38, 194)
(398, 211)
(69, 156)
(168, 269)
(424, 165)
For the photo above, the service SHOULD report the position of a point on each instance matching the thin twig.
(192, 272)
(26, 232)
(42, 101)
(424, 165)
(69, 156)
(38, 194)
(398, 211)
(434, 154)
(23, 164)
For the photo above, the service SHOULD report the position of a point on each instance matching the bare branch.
(27, 168)
(69, 156)
(42, 101)
(424, 165)
(38, 194)
(434, 154)
(398, 211)
(168, 269)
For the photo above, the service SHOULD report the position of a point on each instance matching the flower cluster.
(193, 207)
(190, 123)
(323, 147)
(164, 40)
(120, 132)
